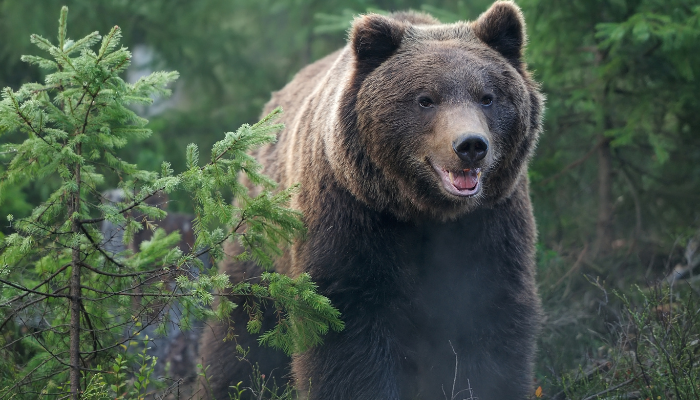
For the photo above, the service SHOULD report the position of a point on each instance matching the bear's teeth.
(452, 177)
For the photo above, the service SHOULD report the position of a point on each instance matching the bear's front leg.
(359, 363)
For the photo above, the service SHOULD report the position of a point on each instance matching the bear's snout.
(471, 147)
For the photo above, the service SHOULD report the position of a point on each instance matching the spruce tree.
(67, 303)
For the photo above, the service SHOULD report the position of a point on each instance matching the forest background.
(616, 178)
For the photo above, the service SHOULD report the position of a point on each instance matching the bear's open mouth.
(465, 182)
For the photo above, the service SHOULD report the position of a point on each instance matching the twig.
(38, 332)
(122, 211)
(608, 390)
(575, 163)
(95, 340)
(138, 203)
(574, 267)
(454, 380)
(637, 210)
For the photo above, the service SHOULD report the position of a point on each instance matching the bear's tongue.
(464, 180)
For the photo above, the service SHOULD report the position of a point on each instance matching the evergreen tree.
(67, 303)
(615, 167)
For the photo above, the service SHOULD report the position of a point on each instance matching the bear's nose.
(471, 147)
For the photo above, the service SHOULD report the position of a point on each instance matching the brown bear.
(411, 145)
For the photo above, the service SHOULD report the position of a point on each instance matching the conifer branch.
(23, 117)
(125, 209)
(65, 123)
(11, 389)
(53, 328)
(99, 248)
(127, 275)
(16, 310)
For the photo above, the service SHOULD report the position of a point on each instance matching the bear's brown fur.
(411, 145)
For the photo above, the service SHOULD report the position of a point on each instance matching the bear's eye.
(486, 100)
(425, 102)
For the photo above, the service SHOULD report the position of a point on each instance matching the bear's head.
(437, 119)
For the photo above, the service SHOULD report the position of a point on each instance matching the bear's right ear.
(373, 39)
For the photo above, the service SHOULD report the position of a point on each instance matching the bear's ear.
(502, 27)
(373, 39)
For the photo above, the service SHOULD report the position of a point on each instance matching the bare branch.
(8, 283)
(613, 388)
(575, 163)
(99, 248)
(133, 274)
(44, 282)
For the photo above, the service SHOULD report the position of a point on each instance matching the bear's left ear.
(502, 27)
(373, 39)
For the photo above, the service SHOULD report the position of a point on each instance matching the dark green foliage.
(623, 77)
(73, 124)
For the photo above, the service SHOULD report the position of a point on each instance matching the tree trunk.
(603, 239)
(74, 298)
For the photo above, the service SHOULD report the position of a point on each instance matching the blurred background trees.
(621, 78)
(616, 178)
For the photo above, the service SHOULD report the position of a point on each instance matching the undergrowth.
(608, 338)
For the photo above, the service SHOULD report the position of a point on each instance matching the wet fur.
(415, 273)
